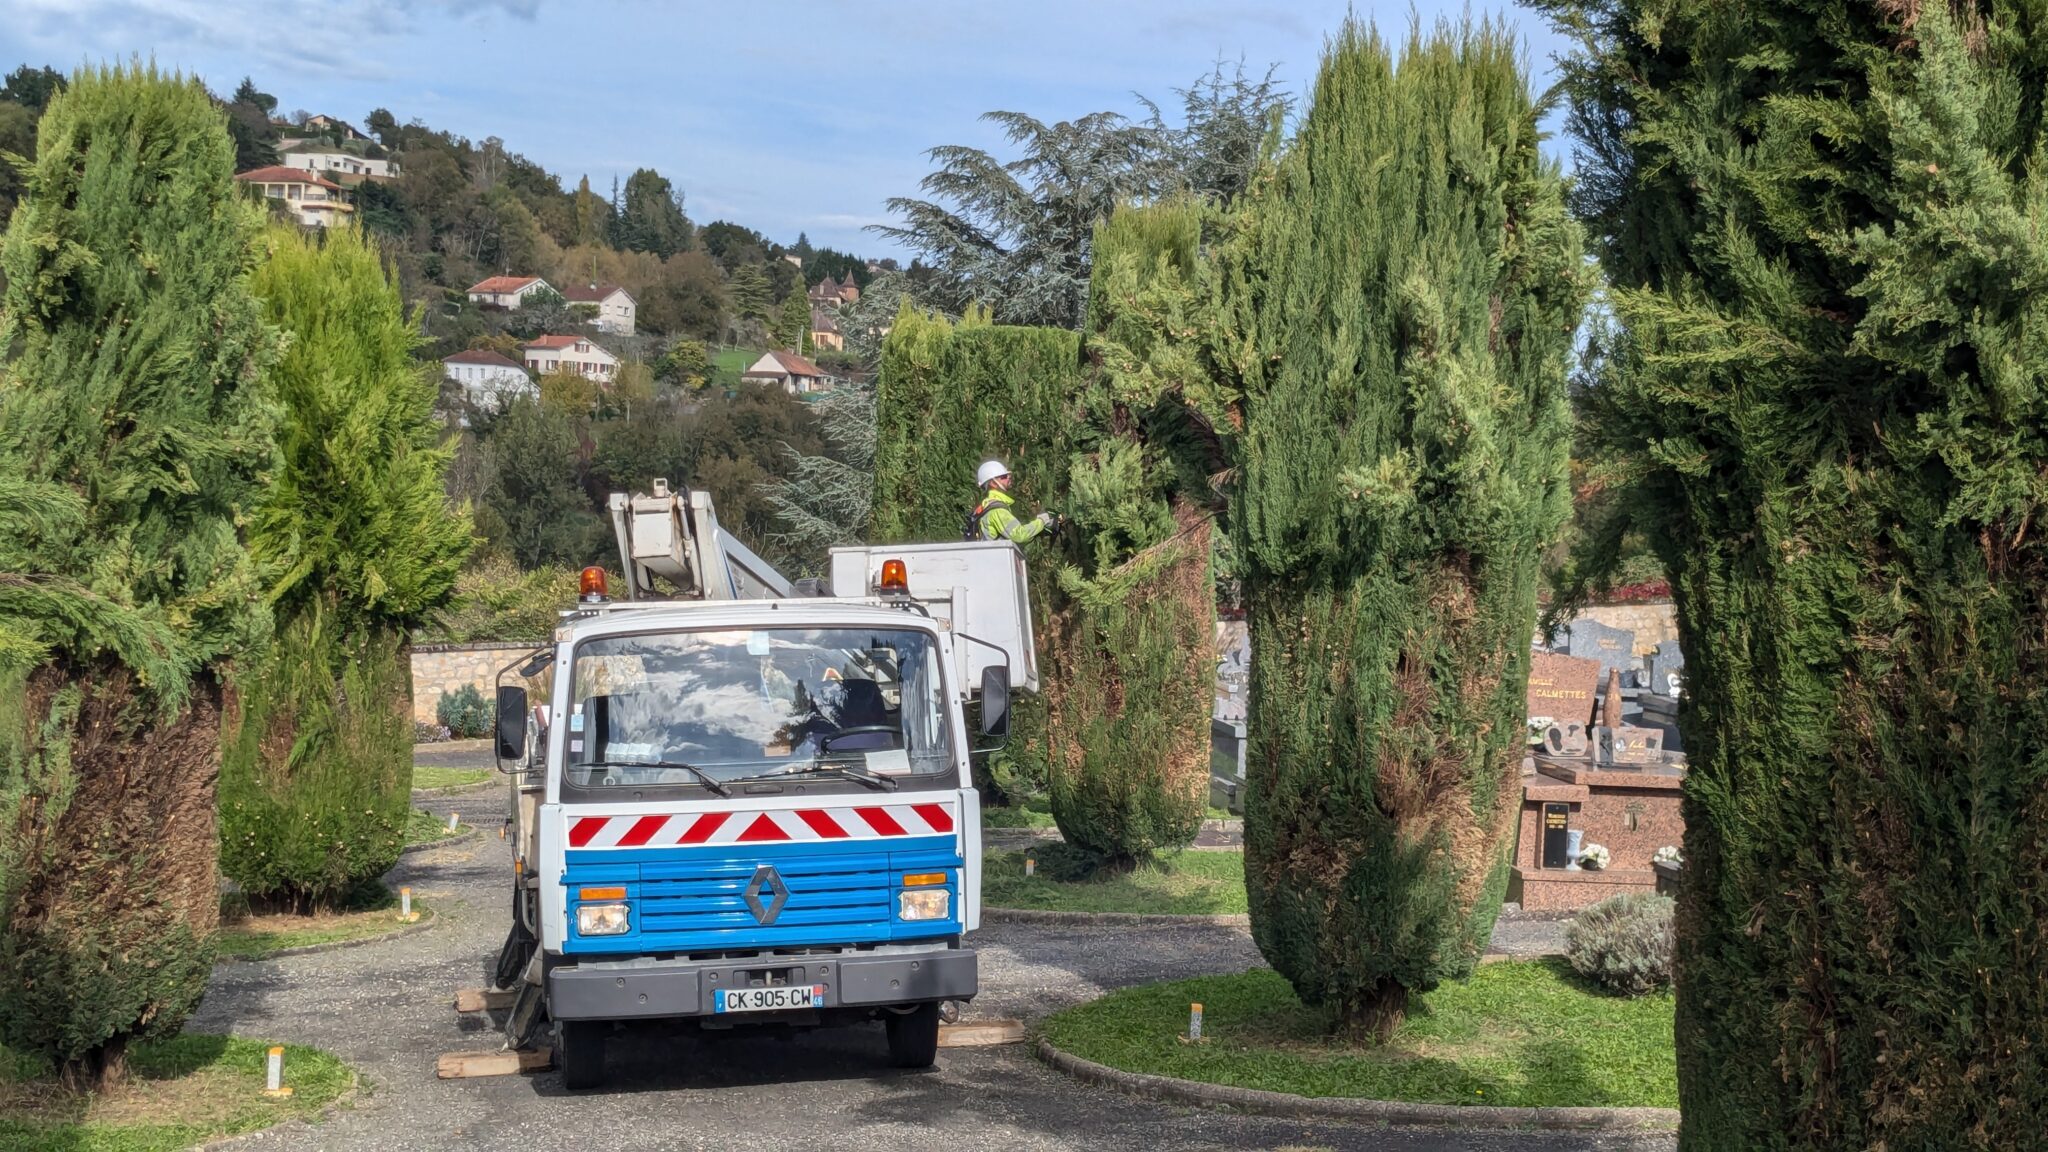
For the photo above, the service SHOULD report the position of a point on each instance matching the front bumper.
(645, 987)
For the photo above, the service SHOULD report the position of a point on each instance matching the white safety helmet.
(989, 470)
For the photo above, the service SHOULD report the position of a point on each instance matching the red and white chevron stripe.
(687, 829)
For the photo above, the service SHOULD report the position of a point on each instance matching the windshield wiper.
(879, 783)
(711, 782)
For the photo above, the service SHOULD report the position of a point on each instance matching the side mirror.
(995, 701)
(512, 725)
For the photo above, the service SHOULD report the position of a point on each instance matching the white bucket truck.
(737, 805)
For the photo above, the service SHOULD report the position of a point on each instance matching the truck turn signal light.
(920, 879)
(895, 577)
(600, 893)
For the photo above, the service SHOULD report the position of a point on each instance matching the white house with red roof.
(314, 201)
(615, 306)
(570, 354)
(795, 374)
(487, 378)
(506, 292)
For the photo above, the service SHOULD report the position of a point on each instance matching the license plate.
(768, 999)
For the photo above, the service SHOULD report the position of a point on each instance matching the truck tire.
(579, 1052)
(914, 1037)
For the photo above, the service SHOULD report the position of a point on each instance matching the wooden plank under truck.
(738, 805)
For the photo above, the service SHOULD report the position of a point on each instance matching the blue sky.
(784, 115)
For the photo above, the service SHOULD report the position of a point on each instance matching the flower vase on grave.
(1574, 841)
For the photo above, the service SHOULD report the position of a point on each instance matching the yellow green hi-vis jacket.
(999, 521)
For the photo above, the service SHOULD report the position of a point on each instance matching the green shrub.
(465, 713)
(316, 779)
(1623, 942)
(133, 437)
(316, 774)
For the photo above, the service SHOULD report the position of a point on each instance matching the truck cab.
(742, 812)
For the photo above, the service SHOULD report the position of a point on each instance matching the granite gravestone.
(1562, 687)
(1667, 663)
(1589, 639)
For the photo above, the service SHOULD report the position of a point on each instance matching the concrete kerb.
(1389, 1113)
(428, 920)
(1127, 919)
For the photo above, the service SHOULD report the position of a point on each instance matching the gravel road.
(386, 1007)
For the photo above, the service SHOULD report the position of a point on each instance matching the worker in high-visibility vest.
(995, 516)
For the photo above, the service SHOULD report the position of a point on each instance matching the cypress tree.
(132, 431)
(316, 775)
(793, 326)
(1132, 634)
(1406, 299)
(1828, 414)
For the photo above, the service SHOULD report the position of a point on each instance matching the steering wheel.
(825, 742)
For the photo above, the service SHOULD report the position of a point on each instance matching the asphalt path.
(387, 1008)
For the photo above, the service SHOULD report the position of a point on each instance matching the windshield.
(838, 708)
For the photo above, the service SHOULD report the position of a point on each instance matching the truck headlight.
(601, 919)
(927, 904)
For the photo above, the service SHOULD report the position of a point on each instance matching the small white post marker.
(1030, 866)
(454, 820)
(273, 1073)
(405, 911)
(1194, 1021)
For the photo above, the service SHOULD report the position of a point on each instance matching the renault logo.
(766, 879)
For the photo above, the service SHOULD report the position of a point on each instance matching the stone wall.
(1652, 621)
(438, 669)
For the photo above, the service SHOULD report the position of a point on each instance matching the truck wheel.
(914, 1037)
(579, 1052)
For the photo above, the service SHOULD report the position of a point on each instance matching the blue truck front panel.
(693, 898)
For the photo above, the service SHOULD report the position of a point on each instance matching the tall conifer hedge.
(360, 545)
(1827, 226)
(949, 396)
(133, 430)
(1409, 291)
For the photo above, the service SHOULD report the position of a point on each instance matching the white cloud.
(301, 36)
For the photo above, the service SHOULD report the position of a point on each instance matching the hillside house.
(313, 200)
(570, 354)
(328, 123)
(506, 292)
(322, 157)
(615, 306)
(487, 378)
(825, 330)
(796, 375)
(830, 293)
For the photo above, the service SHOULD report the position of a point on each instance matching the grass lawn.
(255, 936)
(1522, 1033)
(1188, 883)
(434, 778)
(1036, 812)
(728, 363)
(426, 828)
(1033, 812)
(180, 1092)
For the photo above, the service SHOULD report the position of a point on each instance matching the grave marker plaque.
(1557, 820)
(1562, 687)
